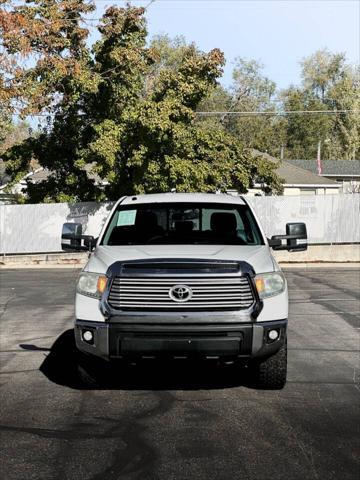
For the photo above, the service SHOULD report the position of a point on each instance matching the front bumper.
(235, 340)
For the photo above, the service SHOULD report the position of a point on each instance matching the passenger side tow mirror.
(73, 240)
(296, 238)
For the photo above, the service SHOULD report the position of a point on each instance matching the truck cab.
(185, 275)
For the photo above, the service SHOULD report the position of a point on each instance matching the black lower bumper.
(245, 340)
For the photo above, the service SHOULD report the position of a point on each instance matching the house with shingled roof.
(345, 172)
(297, 180)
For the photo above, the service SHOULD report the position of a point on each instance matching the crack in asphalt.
(132, 455)
(352, 320)
(318, 280)
(5, 305)
(305, 449)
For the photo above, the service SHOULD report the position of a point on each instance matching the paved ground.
(197, 422)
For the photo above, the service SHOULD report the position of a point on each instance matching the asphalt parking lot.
(178, 422)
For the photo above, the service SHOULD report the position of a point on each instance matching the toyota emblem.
(180, 293)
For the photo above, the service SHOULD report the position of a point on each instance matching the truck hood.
(259, 257)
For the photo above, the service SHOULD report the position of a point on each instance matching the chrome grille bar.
(208, 292)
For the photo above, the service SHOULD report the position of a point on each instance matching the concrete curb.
(46, 260)
(336, 253)
(312, 265)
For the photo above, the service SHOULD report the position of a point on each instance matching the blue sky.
(277, 32)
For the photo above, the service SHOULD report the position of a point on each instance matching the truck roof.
(183, 198)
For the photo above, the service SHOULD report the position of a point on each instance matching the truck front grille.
(204, 293)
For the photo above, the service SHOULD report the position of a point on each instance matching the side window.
(208, 212)
(110, 227)
(184, 219)
(161, 215)
(242, 231)
(121, 218)
(246, 230)
(251, 231)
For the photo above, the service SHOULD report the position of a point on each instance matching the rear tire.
(270, 373)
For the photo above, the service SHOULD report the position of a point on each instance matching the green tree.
(345, 95)
(124, 111)
(5, 108)
(328, 84)
(321, 71)
(45, 45)
(5, 128)
(303, 132)
(12, 134)
(252, 91)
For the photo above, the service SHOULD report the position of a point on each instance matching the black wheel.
(271, 373)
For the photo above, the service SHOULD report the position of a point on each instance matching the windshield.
(176, 223)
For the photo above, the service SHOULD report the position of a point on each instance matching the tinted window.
(166, 224)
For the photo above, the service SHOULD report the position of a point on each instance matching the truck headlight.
(91, 284)
(270, 284)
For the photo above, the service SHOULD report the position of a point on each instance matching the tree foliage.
(329, 84)
(251, 91)
(322, 71)
(304, 133)
(126, 111)
(121, 110)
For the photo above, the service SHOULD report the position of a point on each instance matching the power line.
(208, 1)
(149, 4)
(274, 113)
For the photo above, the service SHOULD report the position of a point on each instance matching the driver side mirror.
(73, 240)
(296, 238)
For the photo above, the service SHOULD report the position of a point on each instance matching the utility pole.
(318, 159)
(282, 149)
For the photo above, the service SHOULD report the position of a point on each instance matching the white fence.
(37, 228)
(329, 218)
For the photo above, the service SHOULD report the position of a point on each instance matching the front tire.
(270, 373)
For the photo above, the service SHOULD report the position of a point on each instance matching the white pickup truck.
(185, 275)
